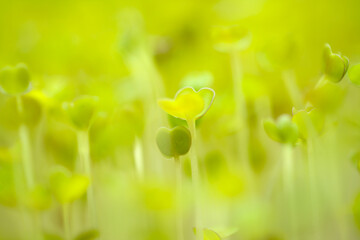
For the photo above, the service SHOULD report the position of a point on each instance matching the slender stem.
(139, 158)
(26, 146)
(84, 151)
(196, 182)
(289, 184)
(240, 111)
(179, 209)
(66, 222)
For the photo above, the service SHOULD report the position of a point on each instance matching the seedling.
(231, 40)
(286, 132)
(81, 113)
(66, 188)
(190, 105)
(15, 81)
(174, 143)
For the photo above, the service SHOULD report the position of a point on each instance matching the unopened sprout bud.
(283, 130)
(173, 142)
(15, 80)
(335, 65)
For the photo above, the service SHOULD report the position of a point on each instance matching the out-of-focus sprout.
(231, 40)
(335, 65)
(309, 121)
(174, 143)
(66, 188)
(15, 81)
(286, 132)
(283, 130)
(82, 112)
(356, 211)
(190, 105)
(354, 74)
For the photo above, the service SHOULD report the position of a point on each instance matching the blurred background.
(130, 53)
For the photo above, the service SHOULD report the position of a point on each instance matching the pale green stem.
(26, 146)
(84, 152)
(196, 182)
(292, 88)
(240, 111)
(179, 209)
(66, 222)
(139, 158)
(289, 184)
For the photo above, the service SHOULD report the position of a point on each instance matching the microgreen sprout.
(286, 132)
(67, 188)
(174, 143)
(81, 113)
(190, 105)
(15, 81)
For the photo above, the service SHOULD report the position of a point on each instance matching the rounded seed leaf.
(88, 235)
(81, 111)
(173, 142)
(283, 130)
(15, 80)
(188, 103)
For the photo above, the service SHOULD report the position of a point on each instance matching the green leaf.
(283, 130)
(188, 103)
(68, 187)
(88, 235)
(354, 74)
(15, 80)
(81, 111)
(173, 142)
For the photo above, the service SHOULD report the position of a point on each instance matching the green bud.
(283, 130)
(335, 65)
(173, 142)
(15, 80)
(81, 111)
(354, 74)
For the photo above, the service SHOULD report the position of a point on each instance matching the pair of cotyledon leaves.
(188, 105)
(15, 80)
